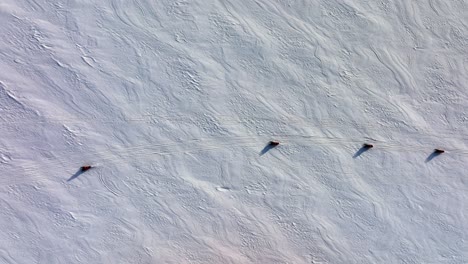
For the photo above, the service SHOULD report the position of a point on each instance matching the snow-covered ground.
(175, 101)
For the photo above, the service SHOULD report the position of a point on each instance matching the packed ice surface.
(173, 103)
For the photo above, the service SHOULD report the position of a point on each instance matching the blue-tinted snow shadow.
(433, 155)
(74, 176)
(267, 148)
(360, 151)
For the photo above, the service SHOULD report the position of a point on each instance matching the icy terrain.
(174, 103)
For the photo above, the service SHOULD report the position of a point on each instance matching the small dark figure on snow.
(439, 151)
(274, 143)
(365, 147)
(434, 154)
(85, 168)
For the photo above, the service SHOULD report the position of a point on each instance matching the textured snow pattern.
(173, 103)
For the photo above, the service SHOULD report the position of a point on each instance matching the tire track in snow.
(209, 144)
(213, 143)
(229, 120)
(103, 157)
(220, 142)
(108, 184)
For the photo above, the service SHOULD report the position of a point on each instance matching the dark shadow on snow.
(361, 150)
(78, 173)
(267, 148)
(433, 155)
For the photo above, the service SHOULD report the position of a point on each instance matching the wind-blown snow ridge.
(172, 103)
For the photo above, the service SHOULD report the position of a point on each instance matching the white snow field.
(174, 102)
